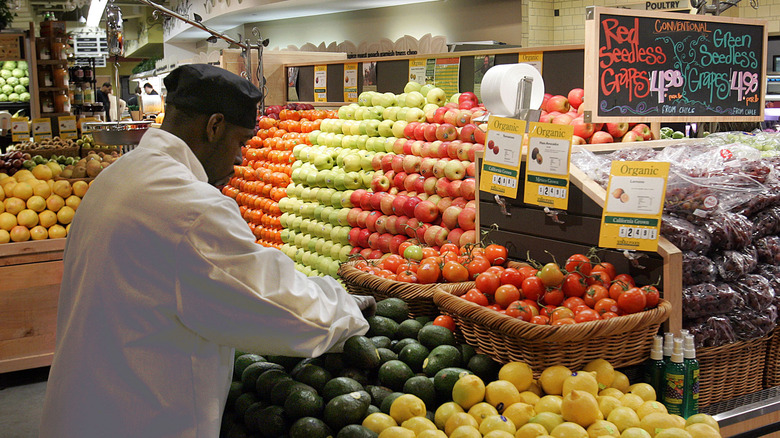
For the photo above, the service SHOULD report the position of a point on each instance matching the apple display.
(430, 132)
(412, 86)
(558, 103)
(454, 170)
(643, 131)
(446, 132)
(616, 130)
(599, 137)
(436, 96)
(631, 136)
(415, 99)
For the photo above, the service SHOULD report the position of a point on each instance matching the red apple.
(419, 186)
(411, 203)
(380, 184)
(363, 238)
(376, 160)
(442, 187)
(468, 189)
(450, 216)
(460, 201)
(576, 139)
(356, 196)
(397, 164)
(416, 148)
(464, 117)
(558, 103)
(466, 219)
(371, 220)
(601, 137)
(438, 115)
(398, 146)
(480, 133)
(376, 200)
(443, 204)
(471, 169)
(429, 185)
(469, 236)
(409, 181)
(467, 105)
(398, 180)
(451, 116)
(353, 236)
(386, 204)
(582, 129)
(411, 227)
(546, 97)
(468, 96)
(562, 119)
(453, 191)
(430, 132)
(426, 166)
(454, 236)
(384, 242)
(631, 136)
(452, 148)
(643, 131)
(387, 161)
(419, 131)
(464, 150)
(438, 168)
(407, 148)
(443, 147)
(398, 204)
(446, 132)
(411, 164)
(396, 242)
(617, 130)
(409, 129)
(575, 97)
(467, 133)
(426, 211)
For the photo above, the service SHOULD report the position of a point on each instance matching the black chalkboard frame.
(594, 112)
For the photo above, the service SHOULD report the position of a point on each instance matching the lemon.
(468, 391)
(612, 392)
(680, 421)
(602, 428)
(702, 418)
(552, 379)
(500, 394)
(497, 434)
(519, 373)
(397, 432)
(432, 434)
(549, 403)
(24, 175)
(657, 421)
(620, 382)
(457, 420)
(465, 432)
(702, 430)
(580, 407)
(632, 401)
(547, 419)
(530, 430)
(647, 392)
(635, 432)
(444, 412)
(607, 404)
(649, 407)
(536, 388)
(42, 189)
(624, 417)
(673, 432)
(377, 422)
(569, 430)
(519, 413)
(605, 372)
(406, 407)
(418, 424)
(480, 411)
(582, 381)
(497, 422)
(529, 397)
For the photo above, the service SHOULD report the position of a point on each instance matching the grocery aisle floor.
(21, 402)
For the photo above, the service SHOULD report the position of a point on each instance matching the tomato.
(617, 288)
(608, 315)
(533, 304)
(632, 301)
(487, 283)
(626, 278)
(547, 310)
(594, 293)
(574, 285)
(506, 294)
(587, 315)
(512, 276)
(607, 267)
(540, 319)
(498, 270)
(392, 262)
(406, 276)
(428, 273)
(652, 296)
(564, 321)
(551, 275)
(513, 309)
(606, 305)
(496, 254)
(533, 288)
(599, 277)
(454, 272)
(402, 247)
(580, 307)
(413, 252)
(451, 257)
(522, 311)
(408, 266)
(527, 271)
(578, 263)
(449, 247)
(554, 297)
(573, 302)
(476, 297)
(429, 252)
(477, 266)
(561, 312)
(445, 321)
(495, 307)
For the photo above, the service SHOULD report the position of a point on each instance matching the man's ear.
(215, 127)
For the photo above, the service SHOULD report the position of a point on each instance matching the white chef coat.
(163, 279)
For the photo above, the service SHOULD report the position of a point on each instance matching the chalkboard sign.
(648, 66)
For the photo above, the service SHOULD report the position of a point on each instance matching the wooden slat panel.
(31, 252)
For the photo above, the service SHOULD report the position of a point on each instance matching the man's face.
(148, 89)
(226, 152)
(106, 89)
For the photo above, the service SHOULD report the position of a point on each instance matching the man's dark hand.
(367, 304)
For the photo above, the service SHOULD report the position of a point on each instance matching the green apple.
(385, 128)
(384, 99)
(296, 223)
(312, 138)
(320, 138)
(344, 253)
(367, 177)
(400, 100)
(398, 127)
(365, 162)
(346, 201)
(323, 161)
(415, 99)
(338, 181)
(373, 113)
(307, 258)
(365, 98)
(334, 250)
(285, 235)
(349, 142)
(298, 148)
(359, 113)
(372, 128)
(361, 142)
(389, 143)
(436, 96)
(425, 88)
(415, 115)
(412, 86)
(352, 180)
(327, 246)
(299, 255)
(311, 179)
(351, 162)
(298, 239)
(318, 247)
(390, 113)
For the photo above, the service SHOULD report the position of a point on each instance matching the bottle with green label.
(668, 347)
(691, 365)
(674, 390)
(656, 367)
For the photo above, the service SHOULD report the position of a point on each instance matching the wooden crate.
(30, 276)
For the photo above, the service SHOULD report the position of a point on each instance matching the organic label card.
(547, 165)
(351, 82)
(320, 83)
(417, 70)
(41, 128)
(501, 164)
(20, 129)
(67, 127)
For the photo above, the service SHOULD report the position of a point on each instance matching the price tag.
(320, 83)
(501, 164)
(20, 129)
(41, 128)
(547, 165)
(67, 125)
(417, 70)
(84, 120)
(351, 82)
(535, 59)
(634, 205)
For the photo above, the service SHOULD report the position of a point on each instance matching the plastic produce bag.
(634, 154)
(712, 331)
(697, 269)
(729, 231)
(772, 274)
(755, 292)
(768, 248)
(708, 299)
(766, 222)
(684, 235)
(595, 166)
(734, 264)
(751, 324)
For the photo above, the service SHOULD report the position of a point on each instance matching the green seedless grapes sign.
(650, 66)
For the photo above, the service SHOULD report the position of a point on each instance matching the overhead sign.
(655, 66)
(660, 5)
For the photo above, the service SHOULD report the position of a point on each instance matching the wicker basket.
(47, 153)
(772, 368)
(731, 370)
(622, 341)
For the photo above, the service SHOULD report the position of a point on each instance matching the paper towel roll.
(499, 87)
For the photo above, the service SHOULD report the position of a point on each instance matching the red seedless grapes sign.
(647, 66)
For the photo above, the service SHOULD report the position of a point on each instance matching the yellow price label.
(351, 82)
(67, 127)
(547, 165)
(41, 128)
(320, 83)
(634, 205)
(500, 171)
(20, 129)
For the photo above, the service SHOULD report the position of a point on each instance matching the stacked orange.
(262, 178)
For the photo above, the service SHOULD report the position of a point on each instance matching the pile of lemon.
(33, 206)
(597, 401)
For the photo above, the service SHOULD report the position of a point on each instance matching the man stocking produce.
(163, 280)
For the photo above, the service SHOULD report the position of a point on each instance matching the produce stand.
(31, 273)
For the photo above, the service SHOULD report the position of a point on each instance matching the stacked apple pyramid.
(390, 168)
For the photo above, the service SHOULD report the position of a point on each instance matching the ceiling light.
(96, 9)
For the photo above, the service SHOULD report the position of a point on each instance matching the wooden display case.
(30, 276)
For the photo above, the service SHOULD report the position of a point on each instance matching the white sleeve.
(235, 292)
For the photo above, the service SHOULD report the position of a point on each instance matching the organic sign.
(547, 166)
(501, 164)
(644, 66)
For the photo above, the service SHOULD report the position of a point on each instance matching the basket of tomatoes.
(417, 272)
(551, 315)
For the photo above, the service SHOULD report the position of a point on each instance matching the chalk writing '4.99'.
(662, 80)
(744, 82)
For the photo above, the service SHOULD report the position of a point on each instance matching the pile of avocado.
(275, 396)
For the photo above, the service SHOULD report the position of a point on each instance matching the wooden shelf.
(52, 62)
(52, 88)
(55, 114)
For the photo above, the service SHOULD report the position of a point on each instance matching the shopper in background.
(163, 279)
(101, 96)
(133, 100)
(149, 89)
